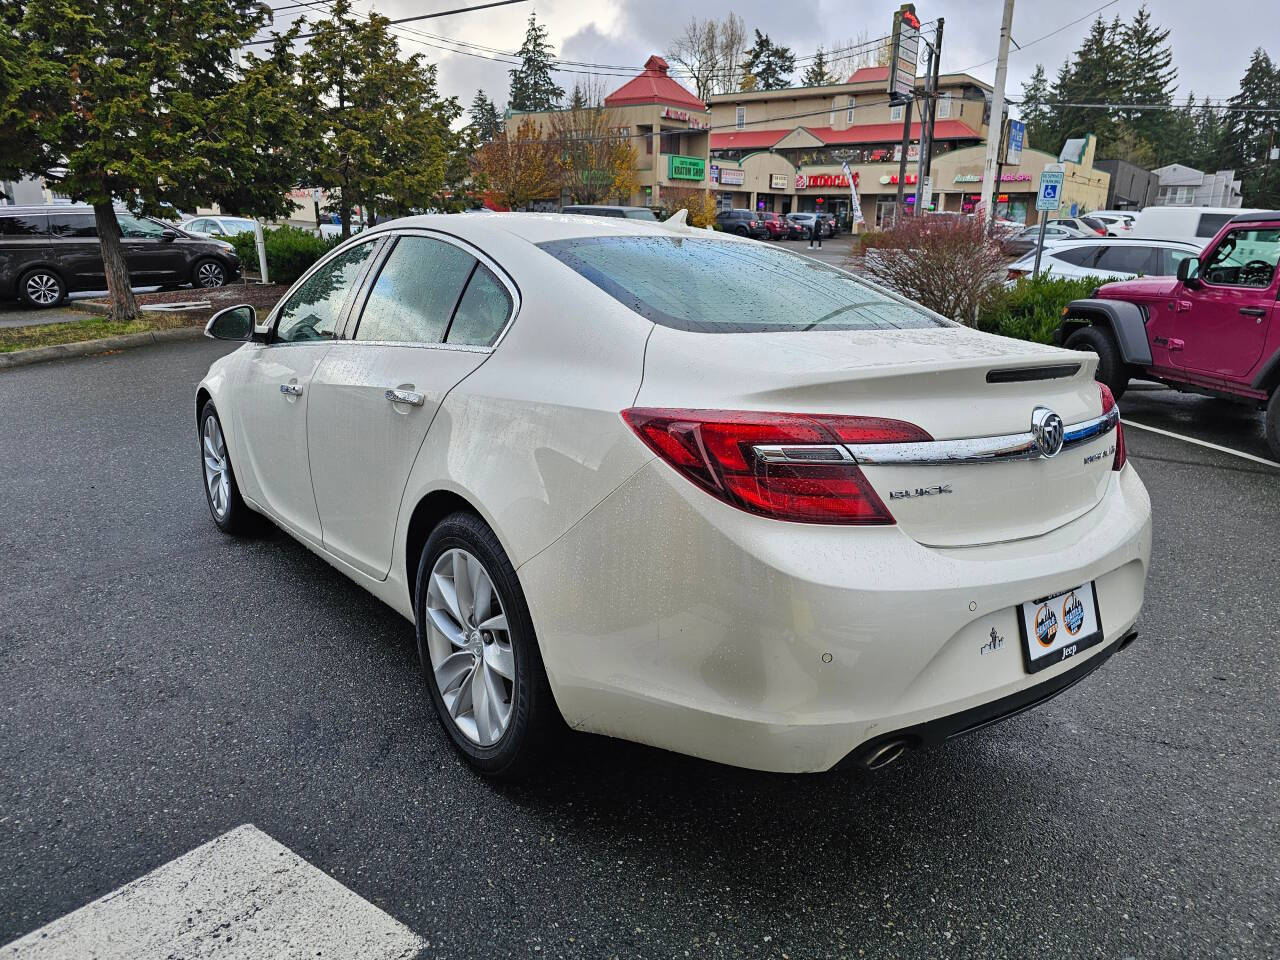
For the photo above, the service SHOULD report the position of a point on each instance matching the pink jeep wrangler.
(1214, 329)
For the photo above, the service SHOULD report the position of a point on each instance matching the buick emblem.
(1046, 431)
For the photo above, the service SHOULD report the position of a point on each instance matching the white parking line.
(1201, 443)
(242, 896)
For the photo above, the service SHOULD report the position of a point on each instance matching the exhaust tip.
(886, 753)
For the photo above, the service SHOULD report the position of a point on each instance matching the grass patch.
(92, 327)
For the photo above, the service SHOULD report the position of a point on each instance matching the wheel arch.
(203, 396)
(429, 511)
(1125, 320)
(1268, 376)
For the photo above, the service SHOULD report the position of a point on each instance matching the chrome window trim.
(268, 326)
(467, 247)
(1008, 447)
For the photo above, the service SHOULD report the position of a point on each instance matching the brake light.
(1016, 274)
(1108, 404)
(787, 466)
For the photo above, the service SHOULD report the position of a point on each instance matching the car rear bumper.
(669, 618)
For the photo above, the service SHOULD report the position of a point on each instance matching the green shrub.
(290, 251)
(1032, 309)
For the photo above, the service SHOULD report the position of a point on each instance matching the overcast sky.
(1210, 52)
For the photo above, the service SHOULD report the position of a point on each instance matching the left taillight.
(786, 466)
(1109, 404)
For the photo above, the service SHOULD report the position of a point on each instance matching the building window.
(671, 143)
(895, 112)
(741, 118)
(944, 106)
(848, 117)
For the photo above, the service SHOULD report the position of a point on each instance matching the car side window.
(1170, 258)
(482, 312)
(136, 228)
(314, 309)
(416, 292)
(73, 226)
(1244, 258)
(1077, 256)
(30, 225)
(197, 226)
(215, 229)
(1126, 259)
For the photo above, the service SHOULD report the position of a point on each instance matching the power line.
(1150, 106)
(1051, 33)
(421, 16)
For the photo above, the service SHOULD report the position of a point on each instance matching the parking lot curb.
(87, 348)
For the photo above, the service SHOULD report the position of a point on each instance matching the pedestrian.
(815, 232)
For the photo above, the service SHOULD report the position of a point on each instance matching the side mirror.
(1189, 272)
(168, 236)
(233, 323)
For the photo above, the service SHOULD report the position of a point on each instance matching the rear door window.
(1077, 256)
(416, 292)
(73, 226)
(24, 225)
(1127, 258)
(482, 312)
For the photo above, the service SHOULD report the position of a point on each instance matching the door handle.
(1253, 311)
(405, 396)
(1175, 344)
(291, 389)
(1183, 305)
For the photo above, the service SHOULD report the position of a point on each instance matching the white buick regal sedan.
(681, 488)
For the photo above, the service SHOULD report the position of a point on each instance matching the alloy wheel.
(210, 275)
(469, 643)
(217, 471)
(44, 289)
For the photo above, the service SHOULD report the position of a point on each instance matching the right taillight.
(786, 466)
(1109, 404)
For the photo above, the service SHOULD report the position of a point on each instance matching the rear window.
(641, 215)
(1211, 223)
(75, 225)
(715, 286)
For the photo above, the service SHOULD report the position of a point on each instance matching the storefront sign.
(1004, 178)
(777, 181)
(904, 53)
(815, 181)
(715, 173)
(1015, 136)
(893, 178)
(686, 168)
(671, 113)
(730, 176)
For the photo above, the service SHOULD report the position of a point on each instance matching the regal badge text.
(920, 492)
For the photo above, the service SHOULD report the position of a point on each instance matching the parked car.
(1107, 257)
(806, 223)
(49, 251)
(218, 226)
(1190, 224)
(676, 487)
(1116, 224)
(1017, 244)
(779, 228)
(1088, 226)
(1213, 328)
(745, 223)
(599, 210)
(833, 223)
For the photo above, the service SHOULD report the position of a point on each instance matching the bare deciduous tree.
(860, 51)
(711, 52)
(596, 157)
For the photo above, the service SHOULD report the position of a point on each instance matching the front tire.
(41, 288)
(1272, 426)
(478, 651)
(1111, 368)
(208, 273)
(221, 491)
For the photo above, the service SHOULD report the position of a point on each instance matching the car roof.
(1121, 241)
(533, 227)
(1257, 215)
(54, 208)
(599, 206)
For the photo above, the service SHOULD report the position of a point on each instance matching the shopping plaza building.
(785, 150)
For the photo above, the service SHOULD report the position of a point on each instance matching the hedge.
(1032, 309)
(290, 251)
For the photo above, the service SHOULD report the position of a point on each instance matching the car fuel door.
(377, 392)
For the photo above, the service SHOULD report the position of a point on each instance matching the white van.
(1191, 224)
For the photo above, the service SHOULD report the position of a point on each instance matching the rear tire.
(1111, 368)
(1272, 427)
(41, 288)
(501, 725)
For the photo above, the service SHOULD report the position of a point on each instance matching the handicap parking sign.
(1049, 196)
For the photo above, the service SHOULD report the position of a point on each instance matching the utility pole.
(902, 163)
(997, 112)
(931, 111)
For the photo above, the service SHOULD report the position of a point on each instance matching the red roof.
(868, 74)
(654, 86)
(865, 133)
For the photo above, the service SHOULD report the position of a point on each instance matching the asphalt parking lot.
(161, 684)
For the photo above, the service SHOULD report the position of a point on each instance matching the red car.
(1213, 329)
(777, 227)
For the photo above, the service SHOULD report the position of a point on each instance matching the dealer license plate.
(1055, 628)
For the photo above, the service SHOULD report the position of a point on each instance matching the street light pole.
(997, 112)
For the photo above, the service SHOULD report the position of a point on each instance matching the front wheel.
(1272, 427)
(208, 273)
(478, 650)
(41, 288)
(220, 488)
(1111, 368)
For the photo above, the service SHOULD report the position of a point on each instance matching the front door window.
(316, 307)
(1244, 258)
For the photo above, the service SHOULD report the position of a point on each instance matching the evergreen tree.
(1149, 77)
(769, 63)
(1098, 64)
(1037, 116)
(817, 74)
(531, 85)
(146, 104)
(485, 119)
(1208, 142)
(1246, 136)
